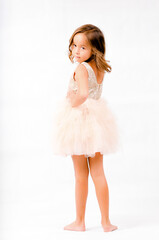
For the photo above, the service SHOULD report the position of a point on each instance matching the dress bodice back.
(95, 89)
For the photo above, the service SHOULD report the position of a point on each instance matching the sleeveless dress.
(88, 128)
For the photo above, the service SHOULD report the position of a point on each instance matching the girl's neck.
(92, 63)
(90, 59)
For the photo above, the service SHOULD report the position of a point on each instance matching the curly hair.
(96, 40)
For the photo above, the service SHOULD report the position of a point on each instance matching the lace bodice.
(95, 89)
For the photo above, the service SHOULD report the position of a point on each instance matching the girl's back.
(99, 75)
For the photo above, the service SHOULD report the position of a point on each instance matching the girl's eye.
(74, 45)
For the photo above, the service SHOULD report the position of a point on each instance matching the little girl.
(85, 127)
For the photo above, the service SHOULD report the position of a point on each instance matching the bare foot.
(109, 227)
(75, 226)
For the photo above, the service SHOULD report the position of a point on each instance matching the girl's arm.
(81, 95)
(76, 99)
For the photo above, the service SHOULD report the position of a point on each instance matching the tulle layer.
(86, 129)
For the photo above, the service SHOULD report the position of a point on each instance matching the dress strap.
(90, 70)
(88, 67)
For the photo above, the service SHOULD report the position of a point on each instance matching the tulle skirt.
(86, 129)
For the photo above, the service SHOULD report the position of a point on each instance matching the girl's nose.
(77, 51)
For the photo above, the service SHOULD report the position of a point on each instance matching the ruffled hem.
(84, 130)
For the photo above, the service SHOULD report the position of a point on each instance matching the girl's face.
(81, 49)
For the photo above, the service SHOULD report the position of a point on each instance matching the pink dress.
(88, 128)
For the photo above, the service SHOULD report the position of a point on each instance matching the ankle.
(80, 221)
(105, 221)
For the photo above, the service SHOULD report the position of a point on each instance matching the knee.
(95, 174)
(82, 177)
(96, 171)
(98, 177)
(82, 180)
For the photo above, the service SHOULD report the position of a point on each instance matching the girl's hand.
(71, 94)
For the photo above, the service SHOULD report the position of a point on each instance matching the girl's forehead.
(81, 39)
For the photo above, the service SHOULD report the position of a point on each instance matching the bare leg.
(102, 191)
(81, 191)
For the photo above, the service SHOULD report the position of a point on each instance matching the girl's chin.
(78, 60)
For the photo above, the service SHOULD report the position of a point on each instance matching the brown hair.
(96, 40)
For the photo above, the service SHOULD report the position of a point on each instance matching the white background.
(37, 187)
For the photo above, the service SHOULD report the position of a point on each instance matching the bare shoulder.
(81, 72)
